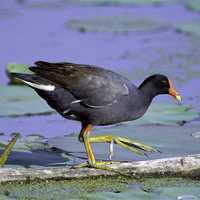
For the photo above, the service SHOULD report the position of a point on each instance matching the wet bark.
(185, 166)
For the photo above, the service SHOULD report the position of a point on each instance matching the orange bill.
(173, 92)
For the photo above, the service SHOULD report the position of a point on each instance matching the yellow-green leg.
(84, 137)
(131, 145)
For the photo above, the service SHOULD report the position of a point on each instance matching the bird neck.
(147, 91)
(146, 95)
(140, 104)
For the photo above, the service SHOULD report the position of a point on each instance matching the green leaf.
(16, 68)
(2, 145)
(7, 150)
(193, 5)
(32, 143)
(192, 28)
(21, 100)
(119, 23)
(29, 143)
(120, 2)
(167, 114)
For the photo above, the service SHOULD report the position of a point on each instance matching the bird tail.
(35, 81)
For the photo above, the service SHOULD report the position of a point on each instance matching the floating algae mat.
(167, 114)
(193, 5)
(21, 100)
(120, 2)
(16, 68)
(118, 23)
(192, 28)
(101, 188)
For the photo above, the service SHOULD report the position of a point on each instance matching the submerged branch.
(185, 166)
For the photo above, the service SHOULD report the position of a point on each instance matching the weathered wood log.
(185, 166)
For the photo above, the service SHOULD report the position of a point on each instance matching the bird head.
(160, 84)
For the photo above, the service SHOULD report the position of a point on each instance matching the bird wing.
(93, 86)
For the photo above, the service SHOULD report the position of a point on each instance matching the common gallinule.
(96, 96)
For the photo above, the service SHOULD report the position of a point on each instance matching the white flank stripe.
(40, 87)
(76, 101)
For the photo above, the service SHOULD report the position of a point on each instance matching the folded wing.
(94, 86)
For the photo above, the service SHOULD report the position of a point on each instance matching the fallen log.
(184, 166)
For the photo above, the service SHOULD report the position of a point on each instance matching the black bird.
(96, 96)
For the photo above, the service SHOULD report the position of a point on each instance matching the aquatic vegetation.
(192, 28)
(21, 100)
(16, 68)
(121, 2)
(119, 24)
(168, 114)
(7, 150)
(193, 5)
(104, 188)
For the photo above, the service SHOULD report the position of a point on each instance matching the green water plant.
(191, 28)
(193, 5)
(7, 150)
(16, 68)
(120, 2)
(119, 24)
(20, 100)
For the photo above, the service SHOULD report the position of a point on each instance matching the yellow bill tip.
(178, 98)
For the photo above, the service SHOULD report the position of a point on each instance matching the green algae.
(16, 68)
(119, 24)
(121, 2)
(102, 188)
(50, 5)
(167, 114)
(69, 189)
(192, 28)
(21, 100)
(193, 5)
(29, 144)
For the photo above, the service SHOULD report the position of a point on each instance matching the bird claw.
(102, 165)
(111, 150)
(134, 145)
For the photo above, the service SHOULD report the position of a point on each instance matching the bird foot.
(103, 165)
(132, 145)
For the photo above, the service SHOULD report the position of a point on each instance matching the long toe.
(111, 150)
(134, 146)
